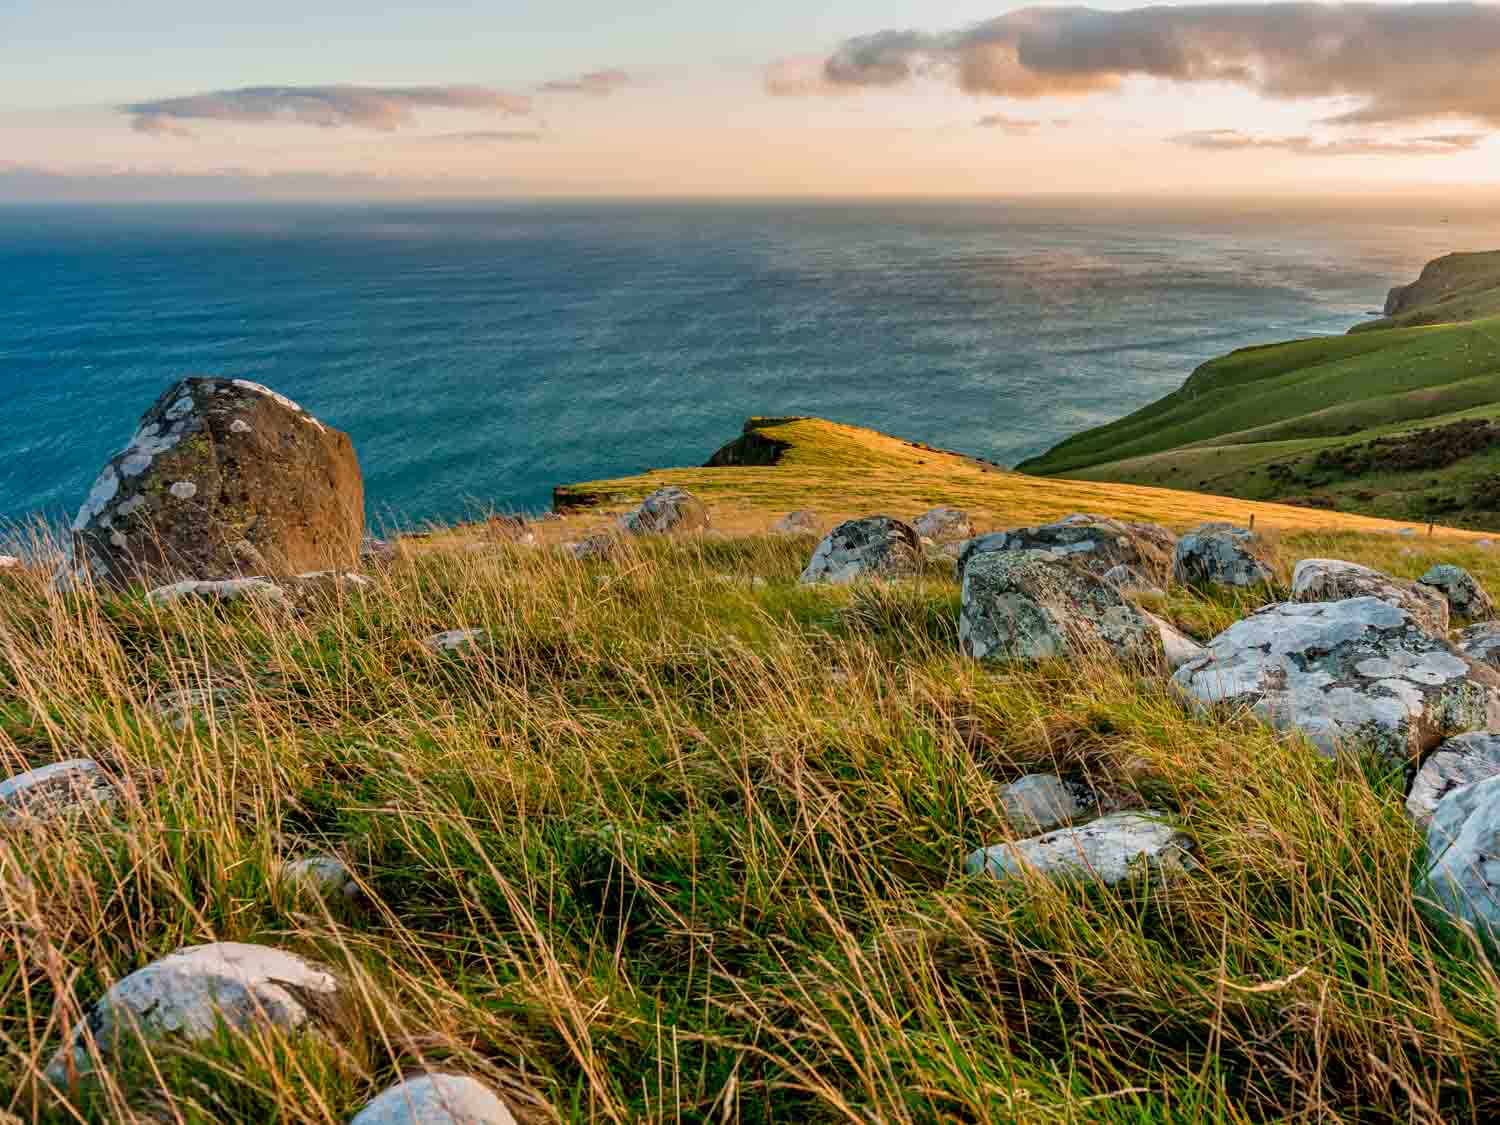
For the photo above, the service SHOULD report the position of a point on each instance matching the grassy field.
(1399, 422)
(678, 847)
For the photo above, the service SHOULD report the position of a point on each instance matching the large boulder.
(873, 547)
(1221, 554)
(189, 995)
(1096, 543)
(1332, 580)
(1021, 606)
(1458, 762)
(436, 1099)
(1108, 850)
(223, 478)
(1358, 672)
(667, 510)
(1481, 643)
(1463, 853)
(1465, 596)
(57, 789)
(944, 524)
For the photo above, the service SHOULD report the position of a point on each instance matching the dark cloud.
(1006, 124)
(598, 83)
(1400, 62)
(364, 107)
(1232, 140)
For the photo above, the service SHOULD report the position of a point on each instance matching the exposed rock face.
(455, 640)
(944, 525)
(223, 477)
(1355, 672)
(1481, 643)
(1332, 580)
(1177, 647)
(669, 509)
(225, 590)
(1463, 849)
(1108, 850)
(76, 785)
(1221, 554)
(1040, 802)
(801, 522)
(1465, 596)
(1021, 606)
(873, 547)
(1096, 543)
(187, 994)
(1458, 762)
(323, 874)
(436, 1099)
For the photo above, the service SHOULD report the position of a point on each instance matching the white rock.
(873, 547)
(1177, 647)
(455, 640)
(225, 590)
(1463, 851)
(1109, 850)
(1221, 554)
(1331, 580)
(1040, 802)
(57, 789)
(1354, 672)
(189, 994)
(1460, 761)
(436, 1099)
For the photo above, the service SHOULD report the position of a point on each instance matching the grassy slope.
(1252, 423)
(678, 849)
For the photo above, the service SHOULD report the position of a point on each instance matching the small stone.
(599, 547)
(436, 1099)
(455, 640)
(1109, 850)
(189, 995)
(224, 590)
(184, 490)
(1040, 802)
(798, 523)
(1221, 554)
(323, 874)
(1460, 761)
(1466, 597)
(58, 789)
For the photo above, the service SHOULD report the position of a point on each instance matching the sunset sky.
(175, 98)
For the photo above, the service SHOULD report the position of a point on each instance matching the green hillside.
(1398, 419)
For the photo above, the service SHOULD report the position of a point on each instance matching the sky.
(519, 98)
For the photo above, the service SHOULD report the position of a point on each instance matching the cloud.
(598, 83)
(1007, 124)
(801, 75)
(1400, 62)
(1232, 140)
(385, 108)
(490, 136)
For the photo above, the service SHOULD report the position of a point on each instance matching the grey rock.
(323, 874)
(801, 522)
(222, 590)
(189, 994)
(1221, 554)
(1177, 647)
(1108, 850)
(1040, 802)
(667, 510)
(1332, 580)
(1355, 672)
(599, 547)
(944, 524)
(57, 789)
(1481, 643)
(1460, 761)
(1023, 606)
(436, 1099)
(1463, 851)
(1096, 543)
(455, 640)
(873, 547)
(1465, 596)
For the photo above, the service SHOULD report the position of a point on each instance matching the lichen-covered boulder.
(1357, 672)
(1040, 802)
(1463, 853)
(1096, 543)
(1332, 580)
(1465, 596)
(665, 511)
(436, 1099)
(224, 590)
(1481, 643)
(1108, 850)
(223, 478)
(1022, 606)
(873, 547)
(1221, 554)
(800, 522)
(190, 994)
(944, 524)
(1460, 761)
(57, 789)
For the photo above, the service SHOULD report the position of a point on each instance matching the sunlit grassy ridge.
(676, 847)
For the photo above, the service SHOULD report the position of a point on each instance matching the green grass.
(679, 848)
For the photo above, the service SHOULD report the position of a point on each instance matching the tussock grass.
(675, 847)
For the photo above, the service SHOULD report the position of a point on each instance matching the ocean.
(478, 355)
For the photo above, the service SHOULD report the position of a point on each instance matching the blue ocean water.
(480, 355)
